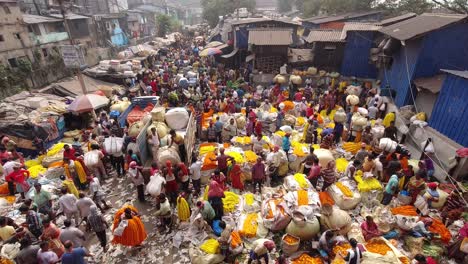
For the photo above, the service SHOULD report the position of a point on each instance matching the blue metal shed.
(356, 56)
(429, 42)
(450, 113)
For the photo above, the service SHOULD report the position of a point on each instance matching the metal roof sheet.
(463, 74)
(356, 26)
(327, 19)
(69, 16)
(393, 20)
(421, 25)
(33, 19)
(270, 37)
(324, 36)
(242, 21)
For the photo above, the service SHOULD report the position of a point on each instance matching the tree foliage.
(167, 24)
(391, 7)
(285, 5)
(457, 6)
(213, 9)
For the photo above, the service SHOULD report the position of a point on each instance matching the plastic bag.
(91, 158)
(113, 145)
(154, 187)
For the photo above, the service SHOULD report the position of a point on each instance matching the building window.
(1, 38)
(45, 53)
(13, 62)
(18, 36)
(6, 9)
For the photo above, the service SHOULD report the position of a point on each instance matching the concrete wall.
(445, 148)
(425, 102)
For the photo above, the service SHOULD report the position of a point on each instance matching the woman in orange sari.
(51, 234)
(128, 229)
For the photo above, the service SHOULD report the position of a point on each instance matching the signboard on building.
(73, 56)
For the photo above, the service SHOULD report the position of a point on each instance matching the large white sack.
(387, 144)
(199, 257)
(340, 116)
(336, 219)
(161, 129)
(324, 156)
(343, 201)
(91, 158)
(177, 118)
(135, 129)
(304, 224)
(167, 153)
(286, 129)
(113, 145)
(354, 90)
(290, 183)
(378, 131)
(442, 199)
(280, 213)
(352, 99)
(241, 122)
(154, 187)
(158, 113)
(356, 233)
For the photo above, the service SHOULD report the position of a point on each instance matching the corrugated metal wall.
(242, 38)
(397, 76)
(356, 56)
(444, 49)
(450, 113)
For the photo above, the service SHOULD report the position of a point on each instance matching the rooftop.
(333, 18)
(463, 74)
(324, 36)
(420, 25)
(356, 26)
(393, 20)
(33, 19)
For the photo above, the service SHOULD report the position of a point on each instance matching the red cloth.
(70, 154)
(236, 177)
(18, 177)
(171, 186)
(258, 171)
(258, 128)
(463, 152)
(298, 97)
(430, 260)
(215, 189)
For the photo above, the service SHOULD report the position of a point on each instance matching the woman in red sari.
(171, 183)
(236, 176)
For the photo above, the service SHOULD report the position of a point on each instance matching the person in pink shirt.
(215, 197)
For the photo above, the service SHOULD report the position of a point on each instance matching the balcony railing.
(48, 38)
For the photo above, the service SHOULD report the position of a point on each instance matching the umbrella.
(209, 52)
(214, 44)
(87, 103)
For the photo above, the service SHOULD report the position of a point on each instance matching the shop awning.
(230, 54)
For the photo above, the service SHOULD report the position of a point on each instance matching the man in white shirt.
(266, 106)
(257, 144)
(97, 194)
(373, 110)
(154, 143)
(378, 168)
(84, 204)
(195, 174)
(68, 206)
(230, 129)
(137, 178)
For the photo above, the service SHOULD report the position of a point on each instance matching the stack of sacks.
(343, 194)
(70, 135)
(120, 106)
(168, 154)
(275, 214)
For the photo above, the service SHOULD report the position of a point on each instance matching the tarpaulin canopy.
(88, 102)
